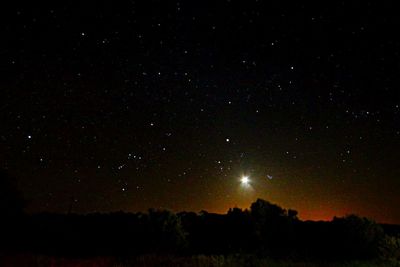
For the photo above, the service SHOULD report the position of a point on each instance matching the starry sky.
(111, 106)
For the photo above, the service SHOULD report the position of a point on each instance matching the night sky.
(128, 105)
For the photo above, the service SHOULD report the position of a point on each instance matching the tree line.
(265, 229)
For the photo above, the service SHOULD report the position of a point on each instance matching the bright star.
(245, 180)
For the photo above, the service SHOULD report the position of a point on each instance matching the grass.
(175, 261)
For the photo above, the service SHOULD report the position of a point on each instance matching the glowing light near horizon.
(245, 180)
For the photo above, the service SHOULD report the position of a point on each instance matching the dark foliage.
(266, 229)
(11, 210)
(11, 203)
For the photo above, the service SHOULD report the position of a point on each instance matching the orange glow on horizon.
(317, 214)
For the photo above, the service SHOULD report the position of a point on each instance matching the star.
(245, 180)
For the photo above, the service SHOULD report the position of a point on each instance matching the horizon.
(301, 217)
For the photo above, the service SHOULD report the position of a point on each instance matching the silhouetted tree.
(274, 227)
(292, 214)
(358, 238)
(11, 203)
(11, 210)
(264, 211)
(166, 229)
(241, 231)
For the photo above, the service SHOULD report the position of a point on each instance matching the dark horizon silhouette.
(264, 229)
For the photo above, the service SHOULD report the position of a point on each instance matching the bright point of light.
(245, 180)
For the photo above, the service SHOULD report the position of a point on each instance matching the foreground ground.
(167, 261)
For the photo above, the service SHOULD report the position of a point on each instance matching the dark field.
(170, 260)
